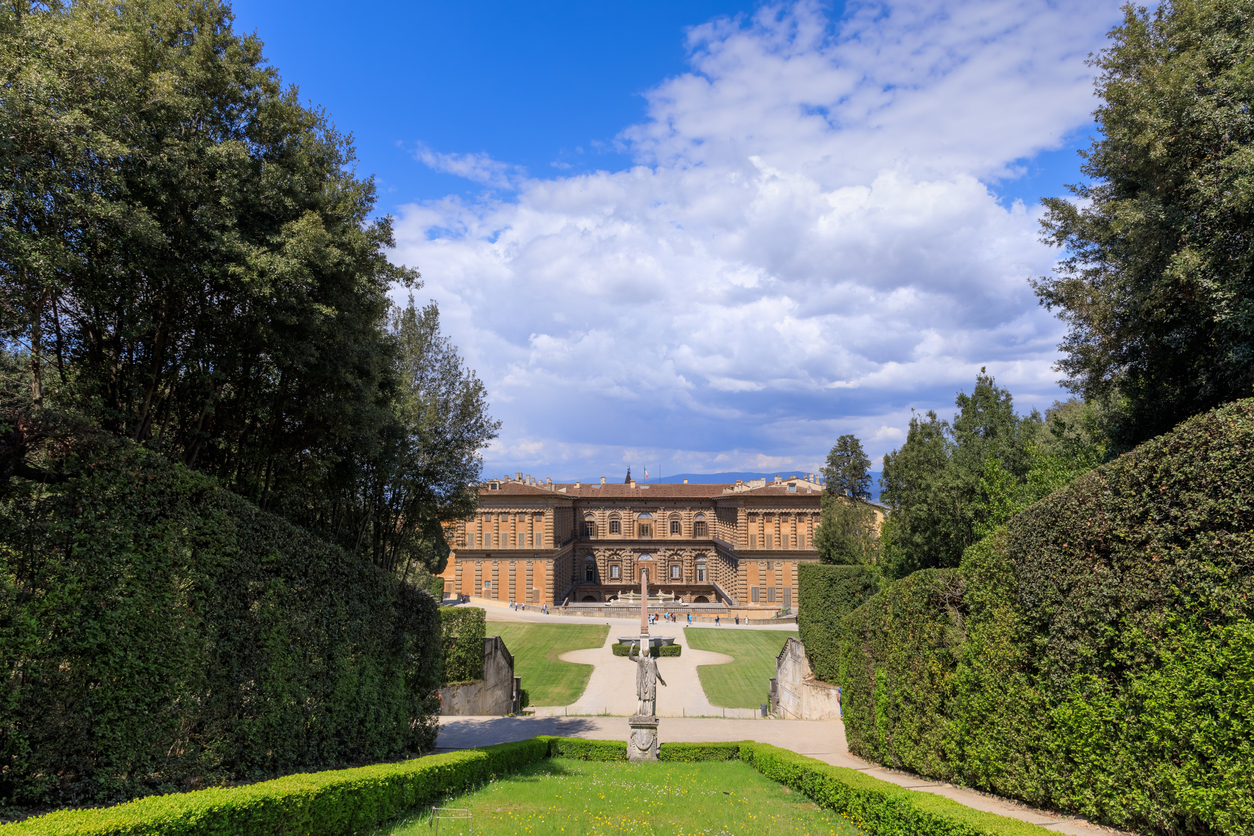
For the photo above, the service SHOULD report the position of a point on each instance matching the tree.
(846, 470)
(1157, 282)
(932, 482)
(847, 533)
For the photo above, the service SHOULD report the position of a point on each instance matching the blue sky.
(713, 236)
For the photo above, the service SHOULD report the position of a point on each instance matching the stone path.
(820, 739)
(612, 687)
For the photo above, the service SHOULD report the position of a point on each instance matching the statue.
(647, 677)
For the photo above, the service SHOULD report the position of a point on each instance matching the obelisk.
(642, 739)
(644, 608)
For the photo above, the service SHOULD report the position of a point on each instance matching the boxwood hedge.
(160, 633)
(1096, 655)
(667, 650)
(462, 633)
(825, 595)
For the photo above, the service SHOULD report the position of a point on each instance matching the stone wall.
(496, 694)
(795, 693)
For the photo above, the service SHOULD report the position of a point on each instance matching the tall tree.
(1157, 284)
(846, 473)
(932, 482)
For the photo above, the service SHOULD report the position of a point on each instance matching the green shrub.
(690, 752)
(463, 630)
(668, 650)
(524, 698)
(587, 750)
(876, 806)
(825, 594)
(313, 804)
(158, 633)
(436, 588)
(1096, 655)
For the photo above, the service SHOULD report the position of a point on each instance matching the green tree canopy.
(1157, 282)
(188, 259)
(932, 482)
(846, 473)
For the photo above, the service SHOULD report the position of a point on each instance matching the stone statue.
(647, 677)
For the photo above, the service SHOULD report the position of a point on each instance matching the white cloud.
(806, 246)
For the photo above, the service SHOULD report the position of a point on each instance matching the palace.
(737, 545)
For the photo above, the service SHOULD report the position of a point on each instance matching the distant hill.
(733, 475)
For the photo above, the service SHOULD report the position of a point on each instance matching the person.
(716, 623)
(737, 619)
(689, 619)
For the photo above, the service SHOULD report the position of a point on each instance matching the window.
(675, 527)
(539, 541)
(675, 571)
(698, 529)
(614, 527)
(700, 573)
(646, 530)
(753, 594)
(614, 572)
(589, 573)
(770, 594)
(753, 540)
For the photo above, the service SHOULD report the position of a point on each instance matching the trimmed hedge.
(1096, 655)
(667, 650)
(825, 595)
(330, 803)
(876, 806)
(356, 800)
(159, 633)
(436, 588)
(463, 630)
(690, 752)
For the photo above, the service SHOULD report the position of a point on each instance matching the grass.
(535, 647)
(560, 797)
(745, 682)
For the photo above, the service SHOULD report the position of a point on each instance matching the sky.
(711, 236)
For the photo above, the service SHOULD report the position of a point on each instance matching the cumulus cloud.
(807, 244)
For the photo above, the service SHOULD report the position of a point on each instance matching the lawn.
(582, 798)
(547, 679)
(745, 682)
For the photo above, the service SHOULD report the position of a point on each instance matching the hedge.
(158, 633)
(356, 800)
(1096, 655)
(668, 650)
(313, 804)
(825, 595)
(436, 588)
(875, 806)
(463, 630)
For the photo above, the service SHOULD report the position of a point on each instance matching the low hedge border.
(353, 800)
(311, 804)
(876, 806)
(655, 652)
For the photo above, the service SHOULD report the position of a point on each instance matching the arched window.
(701, 569)
(589, 526)
(675, 527)
(698, 527)
(675, 571)
(644, 525)
(614, 527)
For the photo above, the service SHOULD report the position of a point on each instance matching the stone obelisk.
(642, 739)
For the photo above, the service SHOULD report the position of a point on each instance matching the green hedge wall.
(668, 650)
(825, 594)
(436, 588)
(158, 633)
(1096, 655)
(463, 630)
(317, 804)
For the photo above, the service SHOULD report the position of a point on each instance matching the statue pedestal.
(642, 741)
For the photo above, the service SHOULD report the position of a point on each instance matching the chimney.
(602, 480)
(518, 477)
(633, 484)
(576, 484)
(685, 481)
(776, 477)
(548, 481)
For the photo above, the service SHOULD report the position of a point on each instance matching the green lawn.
(536, 647)
(580, 798)
(745, 682)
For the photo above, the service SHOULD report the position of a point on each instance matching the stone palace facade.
(738, 545)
